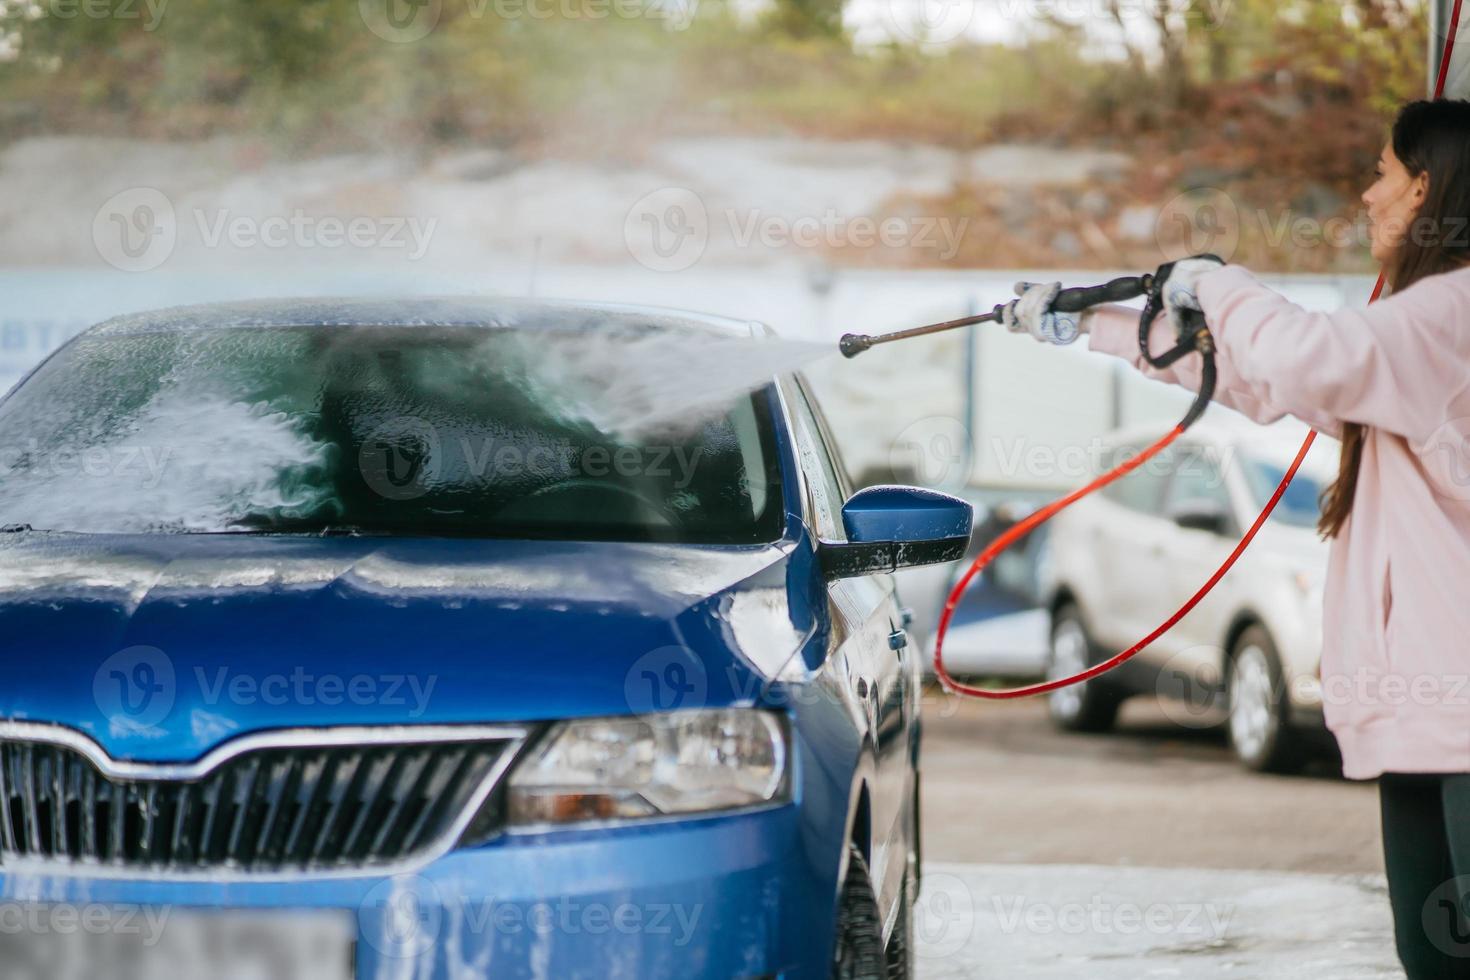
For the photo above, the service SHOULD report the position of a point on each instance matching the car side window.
(822, 481)
(1142, 489)
(1197, 477)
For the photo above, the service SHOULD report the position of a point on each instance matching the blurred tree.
(806, 18)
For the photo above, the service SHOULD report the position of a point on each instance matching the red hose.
(1022, 528)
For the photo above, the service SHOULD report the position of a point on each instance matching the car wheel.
(857, 952)
(1091, 706)
(1260, 733)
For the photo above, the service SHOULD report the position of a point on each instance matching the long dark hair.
(1428, 138)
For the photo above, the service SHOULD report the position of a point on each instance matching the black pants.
(1426, 847)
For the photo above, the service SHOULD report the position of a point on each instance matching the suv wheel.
(1260, 733)
(857, 951)
(1091, 706)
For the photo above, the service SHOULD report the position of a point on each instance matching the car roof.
(428, 311)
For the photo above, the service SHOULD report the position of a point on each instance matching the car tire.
(1260, 731)
(1091, 706)
(857, 947)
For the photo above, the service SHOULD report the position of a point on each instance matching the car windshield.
(378, 430)
(1298, 505)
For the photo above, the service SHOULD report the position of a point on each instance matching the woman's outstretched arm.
(1114, 330)
(1402, 364)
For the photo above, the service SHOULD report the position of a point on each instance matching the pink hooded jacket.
(1396, 635)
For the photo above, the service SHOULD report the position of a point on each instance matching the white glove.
(1181, 287)
(1032, 314)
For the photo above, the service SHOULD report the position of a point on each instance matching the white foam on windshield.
(192, 455)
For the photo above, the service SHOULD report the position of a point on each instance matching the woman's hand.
(1032, 314)
(1180, 287)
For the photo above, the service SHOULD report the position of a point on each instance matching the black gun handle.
(1080, 298)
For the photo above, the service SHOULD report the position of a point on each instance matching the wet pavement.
(1060, 922)
(1145, 852)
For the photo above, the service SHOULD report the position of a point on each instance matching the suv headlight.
(682, 762)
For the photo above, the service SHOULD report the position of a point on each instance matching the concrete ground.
(1147, 852)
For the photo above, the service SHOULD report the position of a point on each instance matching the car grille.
(268, 809)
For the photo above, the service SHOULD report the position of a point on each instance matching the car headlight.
(683, 762)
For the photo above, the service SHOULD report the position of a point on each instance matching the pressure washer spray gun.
(1192, 334)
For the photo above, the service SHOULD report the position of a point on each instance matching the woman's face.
(1393, 202)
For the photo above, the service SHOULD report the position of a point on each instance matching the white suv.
(1124, 559)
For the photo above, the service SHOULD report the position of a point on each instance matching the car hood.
(161, 647)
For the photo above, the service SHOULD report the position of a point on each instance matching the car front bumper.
(721, 897)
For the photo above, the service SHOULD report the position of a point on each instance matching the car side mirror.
(891, 527)
(1203, 515)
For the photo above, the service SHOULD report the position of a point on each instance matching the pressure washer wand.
(1073, 300)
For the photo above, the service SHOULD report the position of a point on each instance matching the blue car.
(360, 639)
